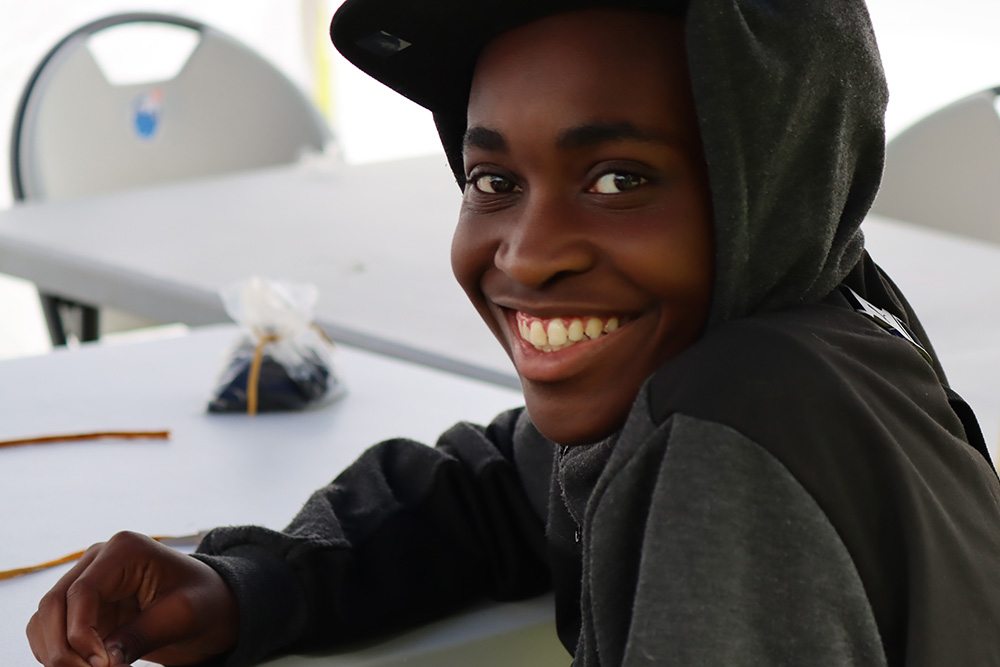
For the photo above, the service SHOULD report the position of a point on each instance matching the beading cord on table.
(75, 437)
(170, 540)
(97, 435)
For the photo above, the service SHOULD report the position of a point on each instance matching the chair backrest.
(76, 133)
(944, 171)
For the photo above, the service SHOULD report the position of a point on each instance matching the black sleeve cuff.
(271, 607)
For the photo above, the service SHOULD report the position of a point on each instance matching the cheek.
(684, 251)
(693, 287)
(699, 262)
(686, 261)
(674, 264)
(471, 256)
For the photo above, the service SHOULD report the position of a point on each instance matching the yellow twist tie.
(253, 380)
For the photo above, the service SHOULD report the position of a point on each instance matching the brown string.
(253, 380)
(76, 555)
(75, 437)
(20, 571)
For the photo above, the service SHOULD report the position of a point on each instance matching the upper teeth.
(550, 335)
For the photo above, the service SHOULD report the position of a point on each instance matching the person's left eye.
(616, 182)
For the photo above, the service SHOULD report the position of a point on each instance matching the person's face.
(585, 236)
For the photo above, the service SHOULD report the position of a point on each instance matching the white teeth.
(594, 328)
(558, 333)
(537, 336)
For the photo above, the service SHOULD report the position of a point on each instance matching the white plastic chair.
(76, 133)
(944, 171)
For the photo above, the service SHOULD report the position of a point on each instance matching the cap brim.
(426, 50)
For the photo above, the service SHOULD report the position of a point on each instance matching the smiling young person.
(722, 460)
(585, 236)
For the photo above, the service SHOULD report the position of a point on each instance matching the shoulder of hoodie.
(859, 420)
(853, 412)
(819, 386)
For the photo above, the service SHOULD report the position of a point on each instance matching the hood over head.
(790, 96)
(791, 99)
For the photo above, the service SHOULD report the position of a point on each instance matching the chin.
(573, 425)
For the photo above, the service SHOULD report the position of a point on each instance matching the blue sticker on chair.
(146, 111)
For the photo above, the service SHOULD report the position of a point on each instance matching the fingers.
(130, 597)
(53, 651)
(166, 622)
(90, 600)
(46, 629)
(124, 577)
(92, 596)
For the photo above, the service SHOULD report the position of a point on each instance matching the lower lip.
(535, 365)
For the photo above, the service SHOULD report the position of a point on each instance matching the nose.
(546, 243)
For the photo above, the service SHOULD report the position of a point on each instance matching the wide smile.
(553, 334)
(553, 349)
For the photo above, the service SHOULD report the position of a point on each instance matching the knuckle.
(52, 600)
(61, 658)
(125, 537)
(128, 541)
(78, 588)
(94, 548)
(76, 636)
(34, 633)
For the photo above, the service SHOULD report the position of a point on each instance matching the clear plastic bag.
(282, 361)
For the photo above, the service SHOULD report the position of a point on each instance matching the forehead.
(587, 65)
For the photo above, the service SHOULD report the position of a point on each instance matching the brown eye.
(494, 184)
(617, 182)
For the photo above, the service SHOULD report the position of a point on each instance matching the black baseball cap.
(426, 50)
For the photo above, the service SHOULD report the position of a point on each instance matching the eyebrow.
(581, 136)
(484, 139)
(594, 134)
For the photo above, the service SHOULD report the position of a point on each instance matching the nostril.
(537, 263)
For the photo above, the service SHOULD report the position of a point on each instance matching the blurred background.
(933, 54)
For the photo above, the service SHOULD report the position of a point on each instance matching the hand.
(132, 598)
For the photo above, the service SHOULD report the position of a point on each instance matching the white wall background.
(933, 53)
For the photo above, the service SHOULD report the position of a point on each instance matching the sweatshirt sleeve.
(406, 534)
(733, 563)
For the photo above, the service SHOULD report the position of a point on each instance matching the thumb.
(158, 626)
